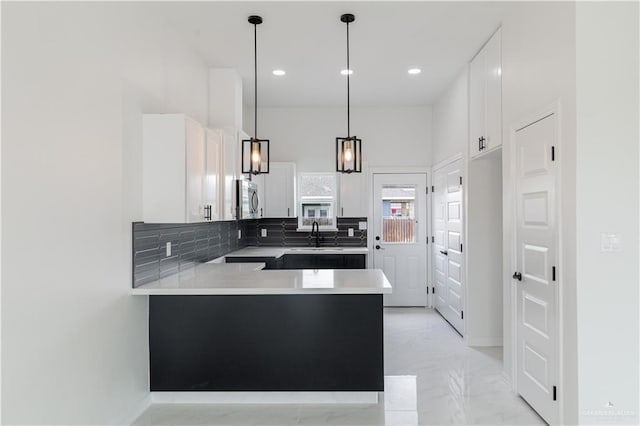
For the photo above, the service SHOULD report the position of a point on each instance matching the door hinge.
(460, 180)
(433, 290)
(461, 314)
(427, 288)
(433, 239)
(433, 188)
(460, 247)
(553, 153)
(553, 273)
(427, 240)
(427, 190)
(554, 393)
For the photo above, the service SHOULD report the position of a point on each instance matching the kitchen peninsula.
(235, 327)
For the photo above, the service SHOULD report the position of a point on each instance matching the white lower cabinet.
(173, 169)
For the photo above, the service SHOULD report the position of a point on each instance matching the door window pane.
(398, 214)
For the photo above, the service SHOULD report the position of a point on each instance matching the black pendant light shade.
(348, 149)
(255, 152)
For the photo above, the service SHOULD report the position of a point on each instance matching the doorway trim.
(554, 108)
(399, 170)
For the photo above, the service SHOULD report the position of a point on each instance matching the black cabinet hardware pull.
(517, 276)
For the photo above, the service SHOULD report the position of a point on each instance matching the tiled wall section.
(201, 242)
(282, 233)
(190, 244)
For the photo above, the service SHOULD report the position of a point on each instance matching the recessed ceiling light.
(414, 71)
(279, 72)
(346, 72)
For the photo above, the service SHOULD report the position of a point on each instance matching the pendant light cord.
(348, 88)
(255, 80)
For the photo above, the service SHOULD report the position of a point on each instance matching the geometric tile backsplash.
(200, 242)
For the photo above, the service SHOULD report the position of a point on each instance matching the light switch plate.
(362, 226)
(609, 242)
(168, 248)
(351, 232)
(263, 232)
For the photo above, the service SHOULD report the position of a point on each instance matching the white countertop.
(246, 279)
(277, 252)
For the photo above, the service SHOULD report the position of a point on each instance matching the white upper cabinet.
(173, 169)
(212, 182)
(485, 98)
(278, 190)
(353, 194)
(231, 171)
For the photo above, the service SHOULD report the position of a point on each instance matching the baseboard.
(138, 409)
(264, 397)
(483, 341)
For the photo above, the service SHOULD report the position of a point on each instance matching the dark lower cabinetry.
(270, 262)
(308, 261)
(317, 342)
(324, 261)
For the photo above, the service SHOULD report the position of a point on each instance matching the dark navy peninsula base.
(315, 342)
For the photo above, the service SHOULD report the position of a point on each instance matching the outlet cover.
(362, 226)
(168, 248)
(609, 242)
(351, 232)
(263, 232)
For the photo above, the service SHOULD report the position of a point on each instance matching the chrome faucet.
(315, 227)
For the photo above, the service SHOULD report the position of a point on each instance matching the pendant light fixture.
(255, 152)
(349, 149)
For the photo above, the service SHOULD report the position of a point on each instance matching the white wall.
(538, 68)
(451, 119)
(307, 136)
(607, 202)
(484, 251)
(76, 78)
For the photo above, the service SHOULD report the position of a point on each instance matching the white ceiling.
(307, 40)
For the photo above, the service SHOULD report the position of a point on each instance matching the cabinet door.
(213, 166)
(477, 103)
(195, 159)
(279, 190)
(351, 195)
(493, 87)
(231, 156)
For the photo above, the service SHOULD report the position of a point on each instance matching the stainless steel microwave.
(247, 202)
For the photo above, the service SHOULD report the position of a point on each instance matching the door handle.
(379, 248)
(446, 253)
(517, 276)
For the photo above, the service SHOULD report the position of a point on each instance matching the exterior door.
(448, 258)
(536, 257)
(400, 235)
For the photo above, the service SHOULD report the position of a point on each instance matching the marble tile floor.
(432, 378)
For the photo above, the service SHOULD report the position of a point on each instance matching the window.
(398, 214)
(317, 195)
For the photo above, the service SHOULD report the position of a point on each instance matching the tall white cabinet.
(485, 97)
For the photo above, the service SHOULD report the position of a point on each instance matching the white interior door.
(448, 258)
(400, 235)
(439, 227)
(536, 257)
